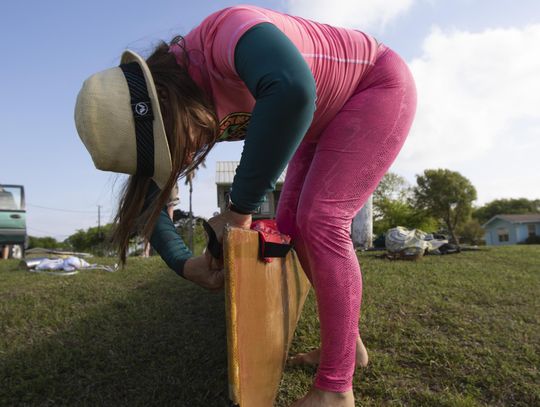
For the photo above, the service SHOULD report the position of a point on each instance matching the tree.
(94, 240)
(402, 213)
(471, 231)
(446, 195)
(46, 242)
(392, 187)
(186, 229)
(392, 206)
(506, 207)
(197, 233)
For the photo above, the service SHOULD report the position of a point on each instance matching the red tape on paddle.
(272, 243)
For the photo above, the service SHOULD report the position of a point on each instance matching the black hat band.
(141, 108)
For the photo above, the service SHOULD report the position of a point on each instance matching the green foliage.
(506, 207)
(199, 235)
(94, 240)
(46, 242)
(535, 239)
(392, 207)
(392, 187)
(399, 213)
(445, 195)
(471, 232)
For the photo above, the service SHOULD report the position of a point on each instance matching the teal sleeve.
(284, 89)
(167, 242)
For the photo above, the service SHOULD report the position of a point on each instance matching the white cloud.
(478, 109)
(361, 14)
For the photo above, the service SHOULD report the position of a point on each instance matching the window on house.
(265, 207)
(532, 230)
(503, 234)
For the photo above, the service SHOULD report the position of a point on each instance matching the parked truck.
(13, 234)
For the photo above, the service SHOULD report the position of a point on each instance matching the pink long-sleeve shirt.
(338, 58)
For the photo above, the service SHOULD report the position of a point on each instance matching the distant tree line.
(46, 242)
(97, 240)
(506, 206)
(441, 201)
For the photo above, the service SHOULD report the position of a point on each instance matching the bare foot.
(322, 398)
(312, 358)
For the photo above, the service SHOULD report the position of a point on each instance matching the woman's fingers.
(199, 272)
(231, 218)
(213, 263)
(218, 279)
(237, 219)
(215, 228)
(214, 280)
(213, 276)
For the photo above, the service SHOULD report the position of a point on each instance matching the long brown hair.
(191, 126)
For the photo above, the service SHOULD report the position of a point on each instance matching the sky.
(475, 64)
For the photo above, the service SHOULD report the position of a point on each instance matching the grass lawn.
(457, 330)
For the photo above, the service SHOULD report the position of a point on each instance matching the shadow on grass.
(161, 343)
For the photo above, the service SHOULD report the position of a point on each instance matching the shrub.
(534, 239)
(471, 232)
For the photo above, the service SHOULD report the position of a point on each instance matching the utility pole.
(99, 219)
(100, 236)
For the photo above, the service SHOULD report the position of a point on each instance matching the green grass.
(458, 330)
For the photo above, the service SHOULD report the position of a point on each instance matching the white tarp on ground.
(69, 264)
(411, 242)
(64, 266)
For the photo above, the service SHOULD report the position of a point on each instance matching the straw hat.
(118, 119)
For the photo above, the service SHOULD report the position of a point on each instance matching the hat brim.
(162, 153)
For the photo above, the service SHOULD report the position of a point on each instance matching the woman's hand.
(205, 270)
(211, 261)
(198, 270)
(231, 218)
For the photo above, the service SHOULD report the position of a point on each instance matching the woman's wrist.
(188, 268)
(231, 206)
(199, 271)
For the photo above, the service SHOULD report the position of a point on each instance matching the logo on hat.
(141, 108)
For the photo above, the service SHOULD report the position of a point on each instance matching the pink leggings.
(327, 183)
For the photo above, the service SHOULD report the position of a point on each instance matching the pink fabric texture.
(327, 183)
(338, 58)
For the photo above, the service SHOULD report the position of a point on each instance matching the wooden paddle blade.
(263, 303)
